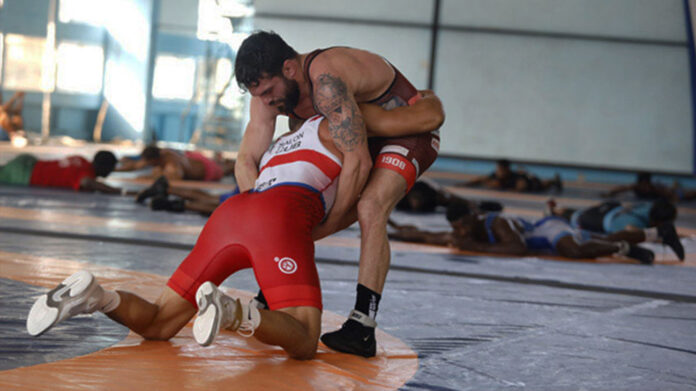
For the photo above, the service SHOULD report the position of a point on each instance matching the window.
(124, 20)
(218, 20)
(174, 77)
(233, 97)
(23, 62)
(79, 68)
(82, 11)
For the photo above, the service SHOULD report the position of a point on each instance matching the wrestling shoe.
(215, 311)
(356, 336)
(259, 301)
(173, 204)
(669, 236)
(641, 254)
(77, 294)
(490, 206)
(158, 188)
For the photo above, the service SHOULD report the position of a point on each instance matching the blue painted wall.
(74, 115)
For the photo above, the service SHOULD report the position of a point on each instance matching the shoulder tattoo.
(345, 120)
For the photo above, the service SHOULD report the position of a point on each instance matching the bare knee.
(154, 334)
(158, 331)
(306, 351)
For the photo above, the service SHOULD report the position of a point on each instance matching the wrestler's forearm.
(351, 181)
(423, 116)
(245, 173)
(342, 222)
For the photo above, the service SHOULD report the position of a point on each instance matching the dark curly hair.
(262, 54)
(457, 209)
(103, 163)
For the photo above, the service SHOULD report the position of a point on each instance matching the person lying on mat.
(654, 219)
(645, 188)
(177, 165)
(72, 172)
(426, 195)
(495, 233)
(505, 178)
(180, 199)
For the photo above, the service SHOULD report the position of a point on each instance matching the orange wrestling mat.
(233, 362)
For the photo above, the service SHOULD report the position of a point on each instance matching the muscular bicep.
(335, 102)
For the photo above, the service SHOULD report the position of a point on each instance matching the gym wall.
(583, 82)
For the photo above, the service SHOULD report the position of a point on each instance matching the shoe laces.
(247, 326)
(246, 329)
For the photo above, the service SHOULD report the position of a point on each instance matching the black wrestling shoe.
(165, 203)
(356, 336)
(490, 206)
(158, 188)
(645, 256)
(668, 234)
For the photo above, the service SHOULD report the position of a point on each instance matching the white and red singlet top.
(300, 159)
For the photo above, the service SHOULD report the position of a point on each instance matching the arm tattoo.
(345, 120)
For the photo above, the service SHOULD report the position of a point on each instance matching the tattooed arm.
(334, 100)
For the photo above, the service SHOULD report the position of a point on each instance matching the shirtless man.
(188, 165)
(332, 82)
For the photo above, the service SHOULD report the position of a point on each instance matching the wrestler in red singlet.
(270, 227)
(409, 156)
(67, 173)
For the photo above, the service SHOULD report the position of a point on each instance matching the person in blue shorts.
(654, 220)
(496, 233)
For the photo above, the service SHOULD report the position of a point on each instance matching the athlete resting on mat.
(655, 220)
(177, 165)
(179, 199)
(72, 172)
(644, 188)
(495, 233)
(296, 186)
(426, 195)
(505, 178)
(332, 82)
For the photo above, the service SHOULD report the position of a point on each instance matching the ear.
(290, 68)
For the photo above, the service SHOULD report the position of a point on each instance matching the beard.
(292, 96)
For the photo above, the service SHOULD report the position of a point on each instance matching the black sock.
(367, 301)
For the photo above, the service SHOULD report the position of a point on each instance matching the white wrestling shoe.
(215, 311)
(77, 294)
